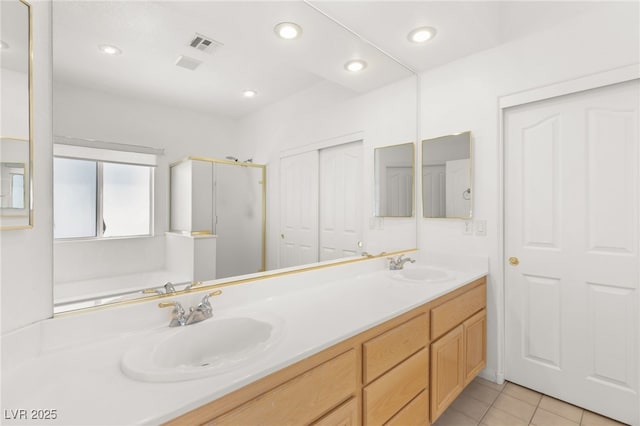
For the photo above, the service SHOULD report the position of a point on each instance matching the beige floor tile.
(527, 395)
(496, 417)
(481, 392)
(547, 418)
(470, 407)
(490, 384)
(515, 407)
(561, 408)
(454, 418)
(593, 419)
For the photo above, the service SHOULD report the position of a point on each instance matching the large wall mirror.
(446, 176)
(147, 84)
(394, 179)
(15, 115)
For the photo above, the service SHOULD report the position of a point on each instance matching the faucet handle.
(192, 285)
(176, 305)
(205, 298)
(178, 318)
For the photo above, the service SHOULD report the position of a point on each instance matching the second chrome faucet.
(395, 264)
(198, 313)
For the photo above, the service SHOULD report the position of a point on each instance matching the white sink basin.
(208, 348)
(424, 274)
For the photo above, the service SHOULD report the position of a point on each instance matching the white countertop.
(79, 376)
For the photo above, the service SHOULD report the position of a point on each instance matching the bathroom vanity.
(353, 343)
(405, 371)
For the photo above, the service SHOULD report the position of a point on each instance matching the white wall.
(386, 116)
(463, 95)
(26, 294)
(91, 114)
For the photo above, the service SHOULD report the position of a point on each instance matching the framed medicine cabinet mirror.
(16, 116)
(446, 176)
(394, 180)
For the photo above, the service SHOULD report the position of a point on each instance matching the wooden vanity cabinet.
(388, 375)
(458, 350)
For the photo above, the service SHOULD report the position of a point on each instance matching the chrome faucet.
(168, 289)
(200, 312)
(398, 263)
(178, 318)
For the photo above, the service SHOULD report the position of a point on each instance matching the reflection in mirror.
(13, 192)
(446, 176)
(394, 180)
(175, 83)
(15, 119)
(222, 203)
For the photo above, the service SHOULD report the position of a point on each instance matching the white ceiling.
(153, 34)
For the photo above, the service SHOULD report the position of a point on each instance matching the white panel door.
(399, 194)
(458, 195)
(572, 201)
(299, 209)
(340, 201)
(433, 191)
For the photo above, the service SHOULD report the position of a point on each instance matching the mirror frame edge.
(413, 175)
(30, 223)
(233, 282)
(471, 180)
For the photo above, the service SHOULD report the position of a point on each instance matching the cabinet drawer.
(344, 415)
(392, 391)
(453, 312)
(415, 413)
(302, 399)
(382, 353)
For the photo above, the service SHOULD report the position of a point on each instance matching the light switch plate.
(468, 227)
(481, 227)
(376, 223)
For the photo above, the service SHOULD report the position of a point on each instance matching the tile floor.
(488, 404)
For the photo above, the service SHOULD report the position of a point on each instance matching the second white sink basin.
(211, 347)
(425, 274)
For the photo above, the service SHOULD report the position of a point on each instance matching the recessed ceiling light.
(110, 49)
(249, 93)
(355, 65)
(3, 45)
(288, 30)
(422, 34)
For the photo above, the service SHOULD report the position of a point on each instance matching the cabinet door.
(475, 345)
(447, 370)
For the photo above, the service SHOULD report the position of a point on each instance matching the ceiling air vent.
(187, 62)
(204, 43)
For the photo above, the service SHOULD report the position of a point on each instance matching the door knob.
(514, 261)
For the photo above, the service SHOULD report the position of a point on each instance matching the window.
(99, 199)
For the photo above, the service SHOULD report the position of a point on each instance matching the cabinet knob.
(514, 261)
